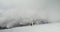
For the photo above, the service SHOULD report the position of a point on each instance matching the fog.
(54, 10)
(22, 8)
(43, 9)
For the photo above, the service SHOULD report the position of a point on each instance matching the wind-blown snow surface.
(53, 27)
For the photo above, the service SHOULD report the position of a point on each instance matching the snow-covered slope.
(54, 27)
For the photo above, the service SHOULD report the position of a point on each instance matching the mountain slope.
(54, 27)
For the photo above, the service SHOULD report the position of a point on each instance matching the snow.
(53, 27)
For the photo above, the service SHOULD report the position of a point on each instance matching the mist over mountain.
(12, 10)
